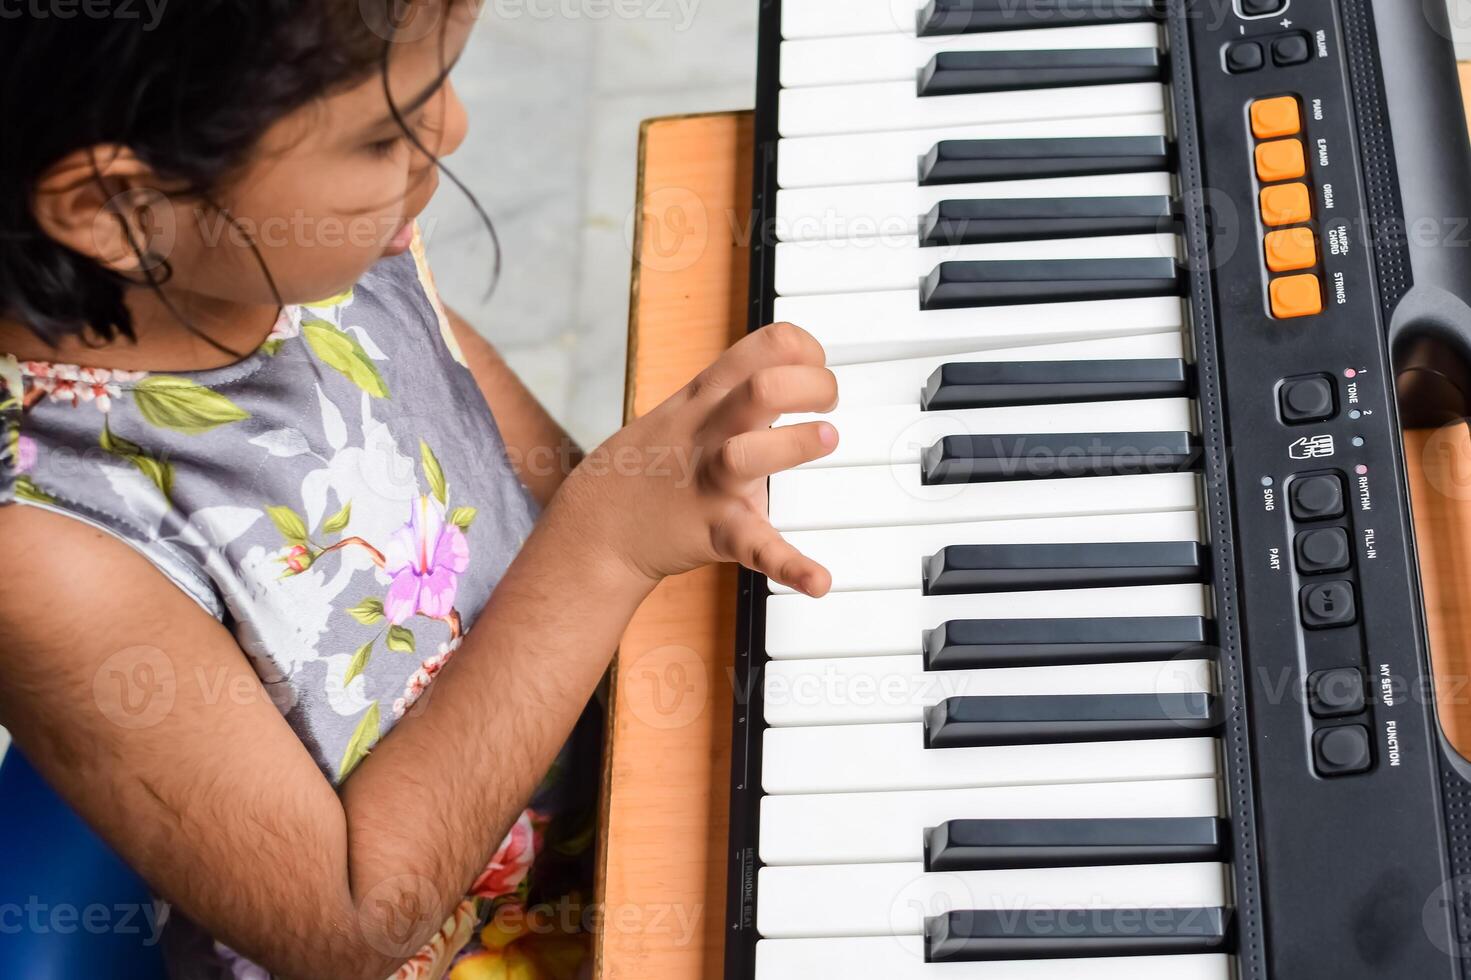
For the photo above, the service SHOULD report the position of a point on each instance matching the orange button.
(1290, 249)
(1271, 118)
(1296, 296)
(1286, 204)
(1280, 160)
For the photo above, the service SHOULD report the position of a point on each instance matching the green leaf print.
(400, 639)
(359, 662)
(26, 490)
(433, 472)
(341, 351)
(182, 405)
(368, 612)
(157, 470)
(289, 523)
(462, 517)
(362, 741)
(339, 520)
(331, 301)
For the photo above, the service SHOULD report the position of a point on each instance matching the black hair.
(190, 89)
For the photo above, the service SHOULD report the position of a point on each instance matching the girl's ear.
(103, 202)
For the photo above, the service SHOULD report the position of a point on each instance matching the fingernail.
(827, 435)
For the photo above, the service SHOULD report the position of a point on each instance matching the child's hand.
(685, 485)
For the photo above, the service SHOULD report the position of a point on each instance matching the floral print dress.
(342, 501)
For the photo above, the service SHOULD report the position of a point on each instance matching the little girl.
(304, 597)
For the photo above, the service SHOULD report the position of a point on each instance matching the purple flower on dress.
(425, 558)
(25, 454)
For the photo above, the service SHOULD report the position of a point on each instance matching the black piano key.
(987, 384)
(1055, 455)
(1023, 219)
(1029, 934)
(971, 721)
(969, 568)
(964, 72)
(963, 644)
(971, 161)
(970, 16)
(984, 845)
(1012, 282)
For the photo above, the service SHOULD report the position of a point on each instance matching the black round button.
(1316, 497)
(1257, 8)
(1290, 50)
(1337, 692)
(1244, 56)
(1307, 399)
(1323, 549)
(1342, 750)
(1328, 604)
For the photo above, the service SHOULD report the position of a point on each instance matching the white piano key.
(895, 899)
(882, 690)
(857, 828)
(902, 958)
(883, 496)
(869, 558)
(898, 262)
(900, 382)
(880, 107)
(896, 434)
(822, 18)
(892, 210)
(865, 158)
(888, 325)
(872, 624)
(895, 57)
(869, 758)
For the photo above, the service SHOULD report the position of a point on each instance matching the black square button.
(1338, 692)
(1342, 750)
(1328, 604)
(1258, 8)
(1322, 549)
(1291, 49)
(1317, 497)
(1244, 56)
(1308, 399)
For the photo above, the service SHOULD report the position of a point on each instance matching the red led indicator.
(1361, 469)
(1349, 372)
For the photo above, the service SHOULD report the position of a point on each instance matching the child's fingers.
(779, 343)
(771, 392)
(749, 539)
(756, 455)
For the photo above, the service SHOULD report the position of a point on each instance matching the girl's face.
(333, 187)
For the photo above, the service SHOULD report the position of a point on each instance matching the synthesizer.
(1123, 672)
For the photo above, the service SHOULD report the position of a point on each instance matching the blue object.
(69, 906)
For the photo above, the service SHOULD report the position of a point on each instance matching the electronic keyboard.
(1123, 673)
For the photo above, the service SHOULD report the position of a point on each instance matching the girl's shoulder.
(362, 396)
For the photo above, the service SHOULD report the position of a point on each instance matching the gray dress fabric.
(340, 499)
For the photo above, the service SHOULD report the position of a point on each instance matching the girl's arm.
(541, 451)
(143, 712)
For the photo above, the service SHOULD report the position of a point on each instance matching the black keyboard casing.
(1352, 877)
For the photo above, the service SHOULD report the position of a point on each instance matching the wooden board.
(666, 788)
(666, 793)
